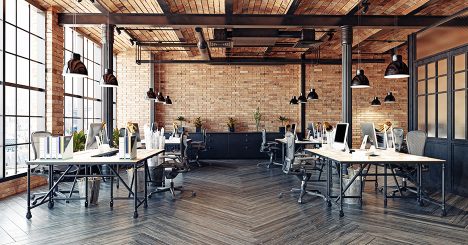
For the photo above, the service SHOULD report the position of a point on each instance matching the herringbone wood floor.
(236, 203)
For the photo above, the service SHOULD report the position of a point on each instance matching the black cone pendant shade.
(375, 102)
(360, 80)
(397, 69)
(293, 101)
(312, 95)
(389, 98)
(75, 68)
(109, 80)
(160, 98)
(150, 95)
(302, 99)
(168, 101)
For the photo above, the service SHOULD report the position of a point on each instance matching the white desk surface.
(85, 158)
(300, 142)
(385, 156)
(171, 141)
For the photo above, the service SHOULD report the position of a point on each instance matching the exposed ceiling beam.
(194, 45)
(251, 21)
(259, 61)
(228, 9)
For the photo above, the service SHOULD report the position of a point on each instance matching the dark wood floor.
(236, 203)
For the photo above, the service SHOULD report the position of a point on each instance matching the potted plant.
(231, 123)
(115, 137)
(283, 121)
(257, 116)
(79, 141)
(181, 119)
(198, 124)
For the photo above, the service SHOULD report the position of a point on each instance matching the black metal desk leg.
(135, 198)
(385, 185)
(420, 201)
(51, 184)
(362, 186)
(329, 176)
(86, 187)
(146, 184)
(111, 203)
(444, 211)
(282, 153)
(28, 187)
(341, 190)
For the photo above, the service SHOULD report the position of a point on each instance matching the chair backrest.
(399, 137)
(416, 141)
(204, 136)
(35, 137)
(290, 152)
(264, 139)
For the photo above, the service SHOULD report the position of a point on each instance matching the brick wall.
(11, 187)
(215, 92)
(133, 83)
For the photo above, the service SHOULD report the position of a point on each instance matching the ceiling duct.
(308, 40)
(202, 45)
(220, 39)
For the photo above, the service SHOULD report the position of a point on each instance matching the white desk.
(87, 160)
(385, 158)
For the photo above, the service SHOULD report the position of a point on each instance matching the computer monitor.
(341, 134)
(369, 130)
(95, 129)
(134, 130)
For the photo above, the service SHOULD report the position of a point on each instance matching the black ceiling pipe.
(202, 45)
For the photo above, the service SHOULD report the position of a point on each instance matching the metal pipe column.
(303, 105)
(412, 99)
(151, 85)
(346, 72)
(107, 59)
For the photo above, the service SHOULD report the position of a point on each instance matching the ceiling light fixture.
(312, 94)
(397, 68)
(75, 67)
(293, 101)
(389, 98)
(376, 102)
(360, 80)
(302, 99)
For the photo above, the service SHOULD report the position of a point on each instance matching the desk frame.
(49, 197)
(364, 164)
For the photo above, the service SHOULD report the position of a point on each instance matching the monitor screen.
(340, 133)
(369, 130)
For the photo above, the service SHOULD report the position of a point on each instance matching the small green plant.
(257, 116)
(231, 122)
(79, 141)
(283, 120)
(115, 137)
(181, 119)
(198, 122)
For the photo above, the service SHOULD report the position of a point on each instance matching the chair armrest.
(272, 143)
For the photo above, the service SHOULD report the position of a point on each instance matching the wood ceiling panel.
(196, 6)
(317, 7)
(67, 6)
(261, 6)
(444, 7)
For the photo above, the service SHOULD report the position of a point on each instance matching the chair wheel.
(34, 202)
(149, 196)
(444, 213)
(341, 213)
(194, 194)
(28, 215)
(111, 204)
(50, 205)
(329, 204)
(280, 195)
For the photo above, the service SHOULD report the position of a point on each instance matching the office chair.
(178, 164)
(300, 166)
(199, 147)
(42, 171)
(268, 147)
(416, 142)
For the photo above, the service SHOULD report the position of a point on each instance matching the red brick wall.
(18, 185)
(215, 92)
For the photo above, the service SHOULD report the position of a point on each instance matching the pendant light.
(312, 94)
(397, 68)
(75, 67)
(293, 101)
(376, 102)
(168, 101)
(302, 99)
(150, 95)
(109, 80)
(389, 98)
(360, 80)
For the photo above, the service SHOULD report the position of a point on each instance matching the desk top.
(386, 156)
(85, 158)
(300, 142)
(171, 141)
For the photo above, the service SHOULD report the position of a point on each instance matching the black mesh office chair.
(416, 143)
(175, 163)
(301, 166)
(199, 146)
(42, 171)
(270, 148)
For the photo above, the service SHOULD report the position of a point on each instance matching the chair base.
(172, 189)
(269, 164)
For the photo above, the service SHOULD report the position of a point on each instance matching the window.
(22, 81)
(460, 92)
(432, 98)
(83, 102)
